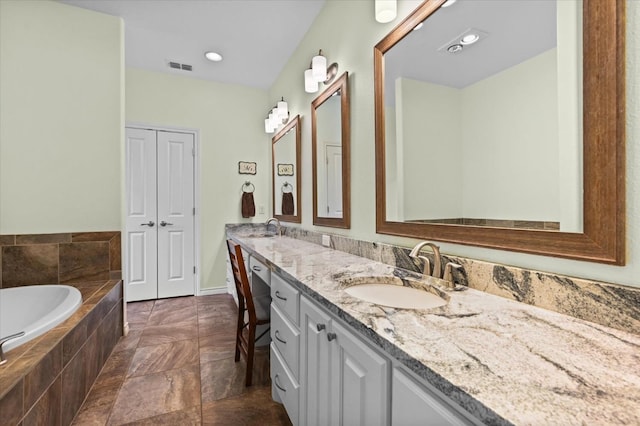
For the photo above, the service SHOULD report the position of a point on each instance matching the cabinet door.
(416, 405)
(315, 377)
(361, 393)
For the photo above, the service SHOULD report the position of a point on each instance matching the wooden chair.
(246, 308)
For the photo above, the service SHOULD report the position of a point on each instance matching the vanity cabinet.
(343, 380)
(285, 345)
(325, 374)
(416, 403)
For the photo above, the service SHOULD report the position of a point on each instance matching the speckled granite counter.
(503, 361)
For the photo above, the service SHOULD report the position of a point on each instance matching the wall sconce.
(319, 73)
(277, 116)
(386, 10)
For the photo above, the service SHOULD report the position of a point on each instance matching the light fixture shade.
(283, 109)
(310, 83)
(319, 68)
(267, 126)
(273, 120)
(386, 10)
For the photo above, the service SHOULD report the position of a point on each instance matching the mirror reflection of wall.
(490, 135)
(286, 172)
(329, 157)
(330, 140)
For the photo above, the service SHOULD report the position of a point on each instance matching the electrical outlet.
(326, 240)
(260, 209)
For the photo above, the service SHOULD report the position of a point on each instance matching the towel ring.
(285, 186)
(248, 184)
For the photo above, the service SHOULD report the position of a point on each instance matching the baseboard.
(210, 291)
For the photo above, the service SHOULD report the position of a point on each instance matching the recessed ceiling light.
(455, 48)
(448, 3)
(418, 26)
(469, 39)
(213, 56)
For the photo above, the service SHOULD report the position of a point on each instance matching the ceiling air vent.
(179, 66)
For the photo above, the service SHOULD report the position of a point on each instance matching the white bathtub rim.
(58, 315)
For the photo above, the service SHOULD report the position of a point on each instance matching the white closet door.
(176, 275)
(141, 227)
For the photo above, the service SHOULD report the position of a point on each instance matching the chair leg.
(250, 351)
(239, 329)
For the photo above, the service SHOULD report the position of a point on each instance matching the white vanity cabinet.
(343, 381)
(285, 345)
(325, 374)
(416, 403)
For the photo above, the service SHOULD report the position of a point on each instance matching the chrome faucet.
(278, 226)
(437, 268)
(3, 341)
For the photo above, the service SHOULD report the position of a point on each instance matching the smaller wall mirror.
(286, 172)
(330, 133)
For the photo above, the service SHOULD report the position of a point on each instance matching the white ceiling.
(255, 37)
(516, 31)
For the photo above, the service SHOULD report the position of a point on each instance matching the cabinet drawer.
(286, 298)
(286, 337)
(284, 385)
(260, 269)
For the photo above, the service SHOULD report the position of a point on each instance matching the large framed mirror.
(330, 136)
(286, 172)
(501, 124)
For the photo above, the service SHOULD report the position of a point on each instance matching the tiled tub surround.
(65, 258)
(504, 362)
(45, 380)
(611, 305)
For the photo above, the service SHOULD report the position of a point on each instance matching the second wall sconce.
(318, 73)
(277, 116)
(386, 10)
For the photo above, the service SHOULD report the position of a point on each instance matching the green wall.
(61, 118)
(347, 32)
(230, 121)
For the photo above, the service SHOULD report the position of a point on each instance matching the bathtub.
(34, 310)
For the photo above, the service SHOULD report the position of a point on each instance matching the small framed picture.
(246, 168)
(285, 169)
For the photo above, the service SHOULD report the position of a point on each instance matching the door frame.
(196, 193)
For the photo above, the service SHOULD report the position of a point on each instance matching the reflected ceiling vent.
(179, 66)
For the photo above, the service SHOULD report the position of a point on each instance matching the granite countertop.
(505, 362)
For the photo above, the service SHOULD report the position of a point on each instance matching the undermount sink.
(389, 291)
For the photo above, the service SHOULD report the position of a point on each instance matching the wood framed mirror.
(286, 172)
(590, 171)
(331, 147)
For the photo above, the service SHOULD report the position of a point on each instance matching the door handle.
(278, 338)
(149, 224)
(163, 223)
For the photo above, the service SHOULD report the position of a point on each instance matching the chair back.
(241, 280)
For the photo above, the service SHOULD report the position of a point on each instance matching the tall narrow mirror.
(286, 172)
(330, 130)
(501, 124)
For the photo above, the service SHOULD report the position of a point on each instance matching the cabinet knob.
(331, 336)
(321, 327)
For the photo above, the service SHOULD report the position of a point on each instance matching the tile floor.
(176, 367)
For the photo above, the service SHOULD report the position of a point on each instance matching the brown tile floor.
(176, 367)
